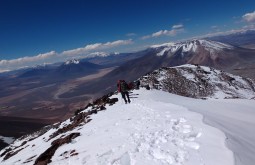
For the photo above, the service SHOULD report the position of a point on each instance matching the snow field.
(151, 130)
(147, 131)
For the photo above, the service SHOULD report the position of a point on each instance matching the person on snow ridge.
(123, 89)
(137, 84)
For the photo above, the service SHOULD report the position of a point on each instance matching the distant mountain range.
(242, 38)
(115, 59)
(69, 68)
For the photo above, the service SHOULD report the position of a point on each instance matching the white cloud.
(223, 33)
(249, 27)
(214, 27)
(92, 46)
(160, 33)
(51, 57)
(4, 70)
(24, 60)
(165, 32)
(249, 17)
(130, 34)
(178, 26)
(98, 54)
(97, 46)
(146, 37)
(172, 32)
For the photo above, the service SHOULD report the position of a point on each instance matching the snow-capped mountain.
(69, 68)
(74, 67)
(205, 52)
(200, 82)
(191, 46)
(37, 71)
(73, 61)
(218, 55)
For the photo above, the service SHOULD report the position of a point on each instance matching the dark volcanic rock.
(45, 157)
(10, 154)
(78, 119)
(83, 117)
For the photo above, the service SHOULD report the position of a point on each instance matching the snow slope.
(150, 130)
(235, 117)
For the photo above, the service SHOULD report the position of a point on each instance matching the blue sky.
(47, 28)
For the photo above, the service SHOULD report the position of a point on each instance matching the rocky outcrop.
(9, 152)
(199, 82)
(45, 157)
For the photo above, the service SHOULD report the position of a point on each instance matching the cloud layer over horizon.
(53, 56)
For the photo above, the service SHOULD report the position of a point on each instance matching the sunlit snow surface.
(150, 130)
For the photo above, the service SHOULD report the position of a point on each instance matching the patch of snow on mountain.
(214, 45)
(98, 54)
(73, 61)
(7, 140)
(172, 48)
(162, 52)
(231, 85)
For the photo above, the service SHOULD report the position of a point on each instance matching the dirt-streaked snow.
(150, 130)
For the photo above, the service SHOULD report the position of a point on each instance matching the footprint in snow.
(125, 159)
(104, 158)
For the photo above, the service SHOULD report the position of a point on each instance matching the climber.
(123, 89)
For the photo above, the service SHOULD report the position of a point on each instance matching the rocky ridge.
(199, 82)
